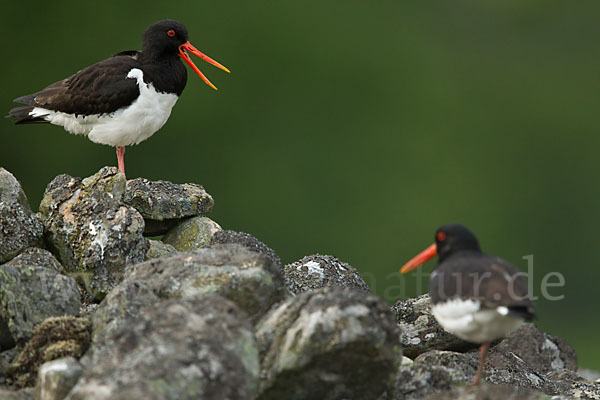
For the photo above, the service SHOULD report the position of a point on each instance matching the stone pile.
(92, 308)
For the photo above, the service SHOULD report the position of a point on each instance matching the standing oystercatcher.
(122, 100)
(475, 296)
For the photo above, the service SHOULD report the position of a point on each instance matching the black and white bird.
(122, 100)
(475, 296)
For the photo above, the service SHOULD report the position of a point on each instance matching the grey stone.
(6, 358)
(421, 332)
(11, 191)
(159, 249)
(38, 257)
(163, 203)
(56, 378)
(249, 279)
(194, 348)
(418, 380)
(317, 271)
(191, 233)
(490, 392)
(91, 232)
(123, 302)
(331, 343)
(11, 394)
(589, 374)
(248, 241)
(572, 384)
(545, 352)
(30, 294)
(19, 229)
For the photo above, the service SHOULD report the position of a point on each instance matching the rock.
(418, 380)
(249, 279)
(56, 378)
(23, 394)
(331, 343)
(317, 271)
(91, 232)
(163, 203)
(159, 249)
(490, 392)
(589, 374)
(11, 191)
(545, 352)
(192, 233)
(54, 338)
(29, 295)
(421, 332)
(6, 358)
(248, 241)
(124, 301)
(572, 384)
(509, 369)
(195, 348)
(38, 257)
(19, 229)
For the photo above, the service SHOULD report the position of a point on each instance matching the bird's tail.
(22, 113)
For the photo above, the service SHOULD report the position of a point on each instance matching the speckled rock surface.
(56, 378)
(90, 231)
(248, 241)
(54, 338)
(19, 229)
(317, 271)
(418, 380)
(249, 279)
(29, 295)
(545, 352)
(163, 203)
(159, 249)
(11, 191)
(420, 331)
(196, 348)
(11, 394)
(38, 257)
(124, 301)
(6, 358)
(191, 233)
(331, 343)
(490, 392)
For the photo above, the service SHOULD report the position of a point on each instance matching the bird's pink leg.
(121, 158)
(483, 350)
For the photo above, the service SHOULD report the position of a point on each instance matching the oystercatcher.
(124, 99)
(475, 296)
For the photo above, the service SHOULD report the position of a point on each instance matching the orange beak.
(187, 46)
(420, 259)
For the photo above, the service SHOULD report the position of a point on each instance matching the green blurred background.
(357, 128)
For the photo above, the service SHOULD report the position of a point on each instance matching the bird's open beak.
(187, 46)
(420, 259)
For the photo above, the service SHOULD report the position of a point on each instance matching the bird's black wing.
(98, 89)
(491, 280)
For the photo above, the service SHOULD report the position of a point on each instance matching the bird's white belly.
(464, 319)
(124, 127)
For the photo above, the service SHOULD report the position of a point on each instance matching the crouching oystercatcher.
(124, 99)
(475, 296)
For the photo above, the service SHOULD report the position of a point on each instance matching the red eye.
(171, 32)
(441, 236)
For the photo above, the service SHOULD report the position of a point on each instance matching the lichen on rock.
(91, 232)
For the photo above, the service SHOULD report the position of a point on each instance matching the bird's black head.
(164, 38)
(452, 238)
